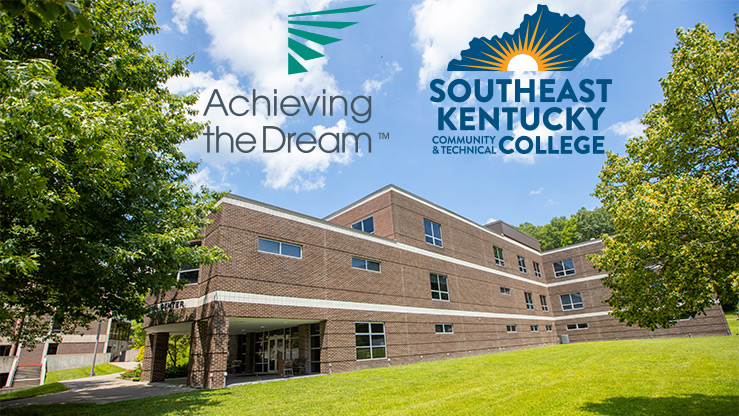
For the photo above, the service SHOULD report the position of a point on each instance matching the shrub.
(134, 375)
(176, 371)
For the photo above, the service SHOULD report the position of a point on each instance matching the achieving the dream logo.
(305, 52)
(544, 41)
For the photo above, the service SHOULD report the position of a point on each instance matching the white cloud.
(443, 28)
(250, 38)
(490, 220)
(371, 85)
(205, 177)
(628, 129)
(536, 191)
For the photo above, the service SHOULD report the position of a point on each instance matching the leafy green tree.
(71, 22)
(95, 207)
(674, 196)
(562, 231)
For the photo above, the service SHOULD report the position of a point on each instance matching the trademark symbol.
(384, 136)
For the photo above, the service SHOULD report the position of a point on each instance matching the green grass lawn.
(34, 391)
(686, 376)
(81, 372)
(733, 322)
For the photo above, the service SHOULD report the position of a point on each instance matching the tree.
(95, 208)
(674, 196)
(562, 231)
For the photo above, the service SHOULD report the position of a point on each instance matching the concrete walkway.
(100, 389)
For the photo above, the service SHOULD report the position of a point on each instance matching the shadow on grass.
(188, 403)
(693, 404)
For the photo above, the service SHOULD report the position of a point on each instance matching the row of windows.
(500, 261)
(370, 336)
(439, 286)
(534, 328)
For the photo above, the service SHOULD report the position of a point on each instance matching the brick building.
(389, 280)
(26, 367)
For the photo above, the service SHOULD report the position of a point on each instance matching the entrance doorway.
(270, 347)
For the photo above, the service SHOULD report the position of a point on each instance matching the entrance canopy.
(237, 326)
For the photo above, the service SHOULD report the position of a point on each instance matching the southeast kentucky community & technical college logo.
(512, 114)
(544, 41)
(301, 50)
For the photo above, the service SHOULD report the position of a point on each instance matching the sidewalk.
(100, 389)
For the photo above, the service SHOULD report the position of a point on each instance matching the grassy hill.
(687, 376)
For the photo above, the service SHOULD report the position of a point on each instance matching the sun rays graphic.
(547, 42)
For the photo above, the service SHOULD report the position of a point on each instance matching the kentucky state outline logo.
(305, 52)
(545, 41)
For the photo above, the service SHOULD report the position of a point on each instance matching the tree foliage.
(674, 196)
(95, 208)
(561, 231)
(70, 21)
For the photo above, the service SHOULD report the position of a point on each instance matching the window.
(498, 252)
(537, 270)
(534, 328)
(510, 328)
(56, 325)
(564, 268)
(572, 327)
(189, 272)
(444, 329)
(571, 301)
(315, 348)
(505, 290)
(367, 225)
(277, 247)
(529, 300)
(52, 349)
(522, 265)
(364, 264)
(544, 305)
(439, 288)
(549, 328)
(370, 338)
(433, 232)
(4, 350)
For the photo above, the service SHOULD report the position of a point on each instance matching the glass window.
(522, 265)
(534, 328)
(433, 232)
(439, 288)
(529, 298)
(370, 340)
(4, 350)
(543, 300)
(52, 349)
(189, 273)
(315, 348)
(537, 270)
(278, 247)
(498, 252)
(571, 301)
(364, 264)
(510, 328)
(564, 268)
(444, 329)
(367, 225)
(505, 290)
(549, 328)
(572, 327)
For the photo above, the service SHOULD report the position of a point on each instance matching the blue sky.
(392, 54)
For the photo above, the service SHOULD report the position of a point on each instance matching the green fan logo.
(305, 52)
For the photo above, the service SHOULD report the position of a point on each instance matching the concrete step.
(27, 376)
(25, 383)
